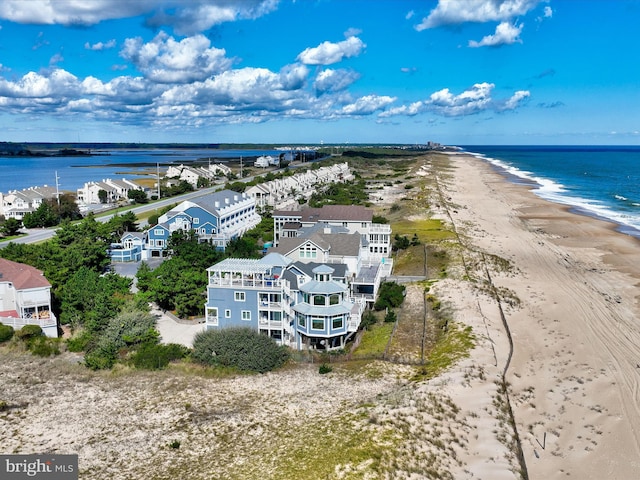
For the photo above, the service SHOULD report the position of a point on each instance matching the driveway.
(173, 331)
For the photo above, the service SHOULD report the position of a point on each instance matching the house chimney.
(217, 204)
(226, 200)
(235, 198)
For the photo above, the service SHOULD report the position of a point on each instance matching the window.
(319, 300)
(246, 315)
(308, 251)
(317, 323)
(212, 315)
(239, 296)
(302, 321)
(158, 231)
(196, 221)
(227, 313)
(334, 299)
(337, 322)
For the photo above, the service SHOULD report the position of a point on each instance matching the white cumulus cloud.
(166, 60)
(187, 17)
(329, 80)
(505, 34)
(327, 52)
(453, 12)
(100, 45)
(516, 99)
(474, 100)
(293, 77)
(409, 110)
(367, 104)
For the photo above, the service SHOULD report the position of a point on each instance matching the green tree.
(65, 207)
(10, 227)
(203, 182)
(102, 196)
(43, 216)
(118, 224)
(138, 196)
(243, 247)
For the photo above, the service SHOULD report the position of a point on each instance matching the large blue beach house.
(302, 305)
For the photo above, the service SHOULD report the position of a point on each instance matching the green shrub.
(29, 331)
(157, 356)
(80, 342)
(368, 320)
(390, 295)
(44, 347)
(6, 333)
(324, 369)
(390, 317)
(101, 358)
(241, 348)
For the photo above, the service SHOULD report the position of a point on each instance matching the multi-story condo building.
(17, 203)
(25, 298)
(216, 218)
(115, 190)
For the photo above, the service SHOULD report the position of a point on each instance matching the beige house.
(18, 202)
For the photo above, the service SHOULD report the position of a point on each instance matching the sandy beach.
(574, 320)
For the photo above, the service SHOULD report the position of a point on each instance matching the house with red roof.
(25, 298)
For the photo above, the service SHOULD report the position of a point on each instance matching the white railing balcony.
(379, 228)
(270, 306)
(19, 322)
(265, 322)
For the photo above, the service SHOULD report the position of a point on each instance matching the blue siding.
(202, 215)
(127, 254)
(224, 299)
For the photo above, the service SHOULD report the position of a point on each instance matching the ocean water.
(600, 181)
(17, 173)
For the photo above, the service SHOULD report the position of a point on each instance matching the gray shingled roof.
(342, 244)
(208, 202)
(330, 213)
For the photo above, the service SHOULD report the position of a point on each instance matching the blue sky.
(309, 71)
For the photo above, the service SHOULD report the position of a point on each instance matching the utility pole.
(158, 173)
(57, 188)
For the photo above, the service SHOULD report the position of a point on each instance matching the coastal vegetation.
(240, 348)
